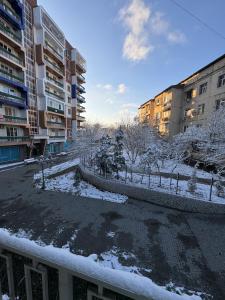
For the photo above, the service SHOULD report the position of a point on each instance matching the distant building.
(190, 102)
(41, 83)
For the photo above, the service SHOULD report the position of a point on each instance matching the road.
(187, 249)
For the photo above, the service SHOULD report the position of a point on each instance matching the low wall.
(154, 197)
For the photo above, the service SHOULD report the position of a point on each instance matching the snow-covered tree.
(104, 155)
(118, 157)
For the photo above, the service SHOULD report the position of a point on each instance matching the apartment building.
(41, 83)
(190, 102)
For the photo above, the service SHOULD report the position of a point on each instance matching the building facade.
(41, 83)
(188, 103)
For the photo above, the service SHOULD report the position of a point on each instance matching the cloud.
(104, 86)
(176, 37)
(121, 88)
(141, 24)
(129, 105)
(135, 17)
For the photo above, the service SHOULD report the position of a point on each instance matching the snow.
(5, 297)
(139, 285)
(65, 183)
(57, 168)
(11, 165)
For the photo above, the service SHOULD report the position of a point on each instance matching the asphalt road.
(187, 249)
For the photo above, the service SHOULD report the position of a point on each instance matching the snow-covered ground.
(139, 285)
(202, 192)
(58, 168)
(65, 183)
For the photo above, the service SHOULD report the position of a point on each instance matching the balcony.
(61, 98)
(11, 57)
(10, 15)
(165, 119)
(81, 89)
(14, 139)
(81, 78)
(54, 66)
(11, 77)
(167, 106)
(10, 34)
(80, 118)
(57, 137)
(53, 124)
(56, 82)
(55, 110)
(14, 120)
(53, 51)
(12, 100)
(81, 108)
(81, 99)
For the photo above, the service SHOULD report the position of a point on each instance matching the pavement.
(183, 248)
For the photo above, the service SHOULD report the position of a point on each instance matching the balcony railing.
(81, 108)
(9, 33)
(80, 118)
(9, 11)
(57, 137)
(81, 77)
(13, 119)
(11, 56)
(81, 98)
(54, 66)
(58, 111)
(81, 88)
(52, 49)
(11, 77)
(58, 83)
(56, 124)
(12, 98)
(16, 139)
(61, 98)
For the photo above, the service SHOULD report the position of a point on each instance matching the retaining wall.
(154, 197)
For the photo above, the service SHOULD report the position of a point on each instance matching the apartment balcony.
(81, 89)
(80, 118)
(11, 57)
(81, 108)
(81, 78)
(55, 110)
(13, 100)
(11, 140)
(53, 51)
(57, 137)
(10, 15)
(10, 35)
(55, 82)
(54, 67)
(167, 106)
(13, 78)
(54, 95)
(52, 124)
(81, 99)
(12, 120)
(165, 119)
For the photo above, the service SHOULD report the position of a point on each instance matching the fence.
(174, 183)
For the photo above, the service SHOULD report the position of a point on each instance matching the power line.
(198, 19)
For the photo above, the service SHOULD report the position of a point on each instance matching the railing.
(80, 118)
(55, 82)
(81, 108)
(167, 106)
(54, 66)
(10, 76)
(11, 56)
(9, 33)
(58, 111)
(56, 124)
(12, 98)
(13, 119)
(52, 49)
(81, 98)
(9, 11)
(4, 139)
(57, 137)
(81, 77)
(55, 95)
(81, 88)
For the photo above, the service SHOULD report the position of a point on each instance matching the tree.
(118, 158)
(104, 155)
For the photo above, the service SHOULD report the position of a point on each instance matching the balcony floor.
(176, 246)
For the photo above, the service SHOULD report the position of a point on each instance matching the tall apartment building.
(190, 102)
(41, 79)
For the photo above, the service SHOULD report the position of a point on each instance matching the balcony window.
(201, 109)
(11, 131)
(220, 103)
(203, 88)
(221, 80)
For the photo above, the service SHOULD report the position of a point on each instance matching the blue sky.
(136, 48)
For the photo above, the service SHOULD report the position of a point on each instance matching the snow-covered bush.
(118, 158)
(219, 188)
(104, 155)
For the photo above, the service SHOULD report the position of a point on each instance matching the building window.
(11, 131)
(221, 80)
(203, 88)
(185, 127)
(220, 103)
(201, 109)
(189, 95)
(157, 101)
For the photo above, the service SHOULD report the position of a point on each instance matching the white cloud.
(104, 86)
(176, 37)
(135, 17)
(141, 23)
(121, 88)
(129, 105)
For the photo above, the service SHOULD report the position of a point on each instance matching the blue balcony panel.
(18, 23)
(74, 91)
(13, 83)
(11, 102)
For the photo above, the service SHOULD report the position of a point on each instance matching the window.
(185, 127)
(11, 131)
(10, 111)
(201, 109)
(220, 103)
(69, 111)
(189, 95)
(157, 116)
(203, 88)
(221, 80)
(157, 101)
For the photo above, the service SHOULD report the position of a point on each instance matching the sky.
(136, 48)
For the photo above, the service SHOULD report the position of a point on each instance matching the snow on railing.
(128, 284)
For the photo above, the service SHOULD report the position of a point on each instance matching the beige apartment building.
(190, 102)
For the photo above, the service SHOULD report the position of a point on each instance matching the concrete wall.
(158, 198)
